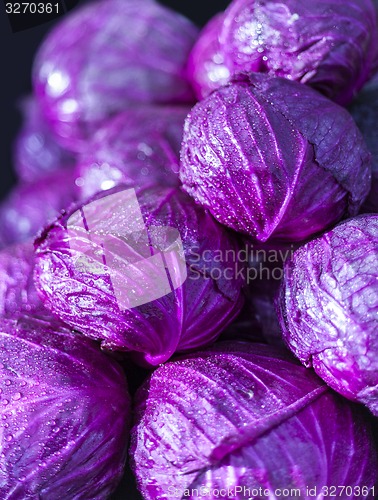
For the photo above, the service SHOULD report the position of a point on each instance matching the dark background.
(17, 52)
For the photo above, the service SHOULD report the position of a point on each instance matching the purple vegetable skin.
(328, 307)
(248, 416)
(365, 112)
(107, 56)
(206, 67)
(29, 207)
(65, 411)
(331, 45)
(36, 153)
(137, 148)
(94, 272)
(263, 158)
(18, 294)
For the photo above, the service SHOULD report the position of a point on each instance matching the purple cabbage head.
(65, 410)
(36, 152)
(331, 45)
(29, 207)
(18, 294)
(365, 112)
(109, 55)
(328, 307)
(245, 416)
(147, 274)
(137, 148)
(206, 66)
(274, 159)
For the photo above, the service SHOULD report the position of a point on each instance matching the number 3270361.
(32, 8)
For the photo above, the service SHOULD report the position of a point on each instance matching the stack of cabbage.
(181, 163)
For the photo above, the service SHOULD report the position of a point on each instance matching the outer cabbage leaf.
(108, 302)
(256, 152)
(246, 415)
(331, 45)
(206, 67)
(29, 207)
(107, 56)
(365, 112)
(138, 147)
(18, 294)
(36, 153)
(65, 411)
(328, 308)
